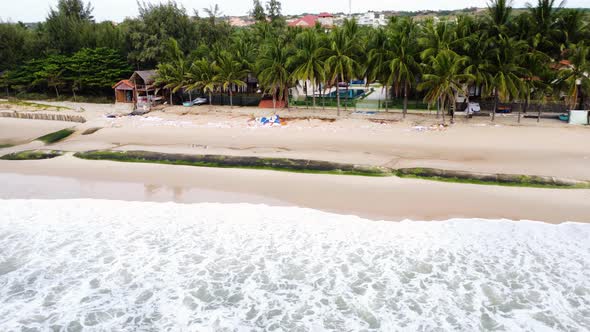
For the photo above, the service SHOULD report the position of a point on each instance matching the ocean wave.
(110, 265)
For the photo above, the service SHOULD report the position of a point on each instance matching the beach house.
(139, 89)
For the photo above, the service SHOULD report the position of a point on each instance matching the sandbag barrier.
(43, 116)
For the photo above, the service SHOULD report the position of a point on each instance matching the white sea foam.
(118, 266)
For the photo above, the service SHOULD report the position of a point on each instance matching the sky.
(117, 10)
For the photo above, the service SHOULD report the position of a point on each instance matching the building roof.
(324, 14)
(147, 76)
(124, 85)
(305, 21)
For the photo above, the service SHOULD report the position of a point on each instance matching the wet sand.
(389, 198)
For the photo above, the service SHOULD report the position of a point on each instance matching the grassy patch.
(2, 146)
(32, 155)
(56, 136)
(508, 180)
(31, 105)
(277, 164)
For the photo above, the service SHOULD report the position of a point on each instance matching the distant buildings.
(240, 21)
(309, 21)
(374, 19)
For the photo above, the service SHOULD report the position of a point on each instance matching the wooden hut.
(124, 92)
(146, 94)
(139, 89)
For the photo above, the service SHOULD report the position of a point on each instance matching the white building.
(373, 19)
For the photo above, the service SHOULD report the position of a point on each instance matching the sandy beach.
(549, 148)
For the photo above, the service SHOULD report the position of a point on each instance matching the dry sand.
(548, 148)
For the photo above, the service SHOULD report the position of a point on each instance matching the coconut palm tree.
(436, 37)
(403, 64)
(444, 75)
(307, 60)
(575, 76)
(229, 73)
(172, 74)
(340, 62)
(202, 76)
(380, 53)
(506, 70)
(545, 30)
(273, 73)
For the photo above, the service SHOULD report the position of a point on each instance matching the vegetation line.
(325, 167)
(32, 155)
(279, 164)
(56, 136)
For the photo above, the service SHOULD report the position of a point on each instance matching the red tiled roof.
(324, 14)
(305, 21)
(128, 83)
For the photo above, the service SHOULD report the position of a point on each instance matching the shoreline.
(383, 198)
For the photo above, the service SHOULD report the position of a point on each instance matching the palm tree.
(498, 16)
(444, 75)
(575, 76)
(436, 37)
(229, 72)
(506, 70)
(172, 74)
(545, 31)
(380, 53)
(307, 61)
(403, 65)
(202, 76)
(273, 73)
(340, 63)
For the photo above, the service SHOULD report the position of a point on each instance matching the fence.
(237, 100)
(43, 116)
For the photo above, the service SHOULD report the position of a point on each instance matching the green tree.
(574, 77)
(229, 73)
(147, 36)
(258, 12)
(51, 74)
(340, 60)
(173, 74)
(506, 70)
(273, 73)
(202, 76)
(444, 75)
(307, 60)
(68, 24)
(403, 64)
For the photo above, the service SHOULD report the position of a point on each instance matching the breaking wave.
(71, 265)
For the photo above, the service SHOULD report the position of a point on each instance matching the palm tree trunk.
(231, 102)
(313, 93)
(452, 107)
(337, 99)
(405, 99)
(56, 91)
(190, 96)
(306, 106)
(346, 103)
(438, 108)
(495, 104)
(210, 101)
(286, 98)
(519, 112)
(539, 112)
(170, 97)
(442, 106)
